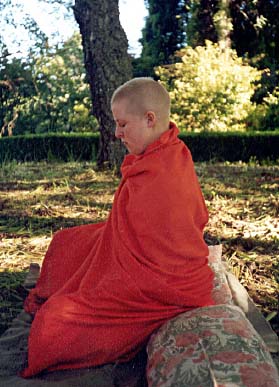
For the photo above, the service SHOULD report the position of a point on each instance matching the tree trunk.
(223, 24)
(107, 64)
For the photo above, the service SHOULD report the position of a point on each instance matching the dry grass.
(243, 201)
(36, 199)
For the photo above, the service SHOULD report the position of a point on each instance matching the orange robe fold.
(105, 288)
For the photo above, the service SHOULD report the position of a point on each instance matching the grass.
(243, 201)
(36, 199)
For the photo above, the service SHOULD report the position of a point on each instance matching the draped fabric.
(104, 288)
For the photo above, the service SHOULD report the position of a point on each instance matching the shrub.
(266, 114)
(64, 147)
(204, 146)
(210, 88)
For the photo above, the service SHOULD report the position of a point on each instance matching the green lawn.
(37, 199)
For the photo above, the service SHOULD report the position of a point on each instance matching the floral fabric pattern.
(208, 347)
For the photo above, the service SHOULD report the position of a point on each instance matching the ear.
(151, 119)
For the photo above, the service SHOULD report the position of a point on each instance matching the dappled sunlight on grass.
(57, 192)
(37, 199)
(243, 201)
(18, 252)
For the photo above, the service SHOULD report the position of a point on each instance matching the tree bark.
(107, 65)
(223, 24)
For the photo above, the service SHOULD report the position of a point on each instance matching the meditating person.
(105, 288)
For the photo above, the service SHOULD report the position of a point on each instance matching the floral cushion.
(221, 293)
(210, 346)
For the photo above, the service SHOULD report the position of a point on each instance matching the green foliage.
(16, 84)
(62, 99)
(200, 26)
(162, 36)
(210, 88)
(19, 30)
(256, 29)
(51, 147)
(48, 94)
(266, 114)
(253, 27)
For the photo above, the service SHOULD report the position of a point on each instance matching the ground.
(36, 199)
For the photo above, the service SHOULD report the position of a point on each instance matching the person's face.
(134, 130)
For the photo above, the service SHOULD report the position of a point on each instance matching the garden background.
(59, 160)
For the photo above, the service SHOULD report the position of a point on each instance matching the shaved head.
(143, 95)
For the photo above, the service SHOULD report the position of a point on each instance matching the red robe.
(110, 285)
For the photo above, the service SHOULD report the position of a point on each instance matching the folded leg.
(66, 253)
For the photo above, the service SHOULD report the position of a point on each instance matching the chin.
(136, 152)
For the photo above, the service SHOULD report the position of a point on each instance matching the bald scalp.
(143, 95)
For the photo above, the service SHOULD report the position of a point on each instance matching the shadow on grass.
(249, 244)
(18, 186)
(12, 295)
(47, 185)
(12, 224)
(65, 199)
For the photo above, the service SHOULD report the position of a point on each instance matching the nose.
(118, 132)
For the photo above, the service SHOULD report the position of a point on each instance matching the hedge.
(233, 146)
(64, 147)
(204, 146)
